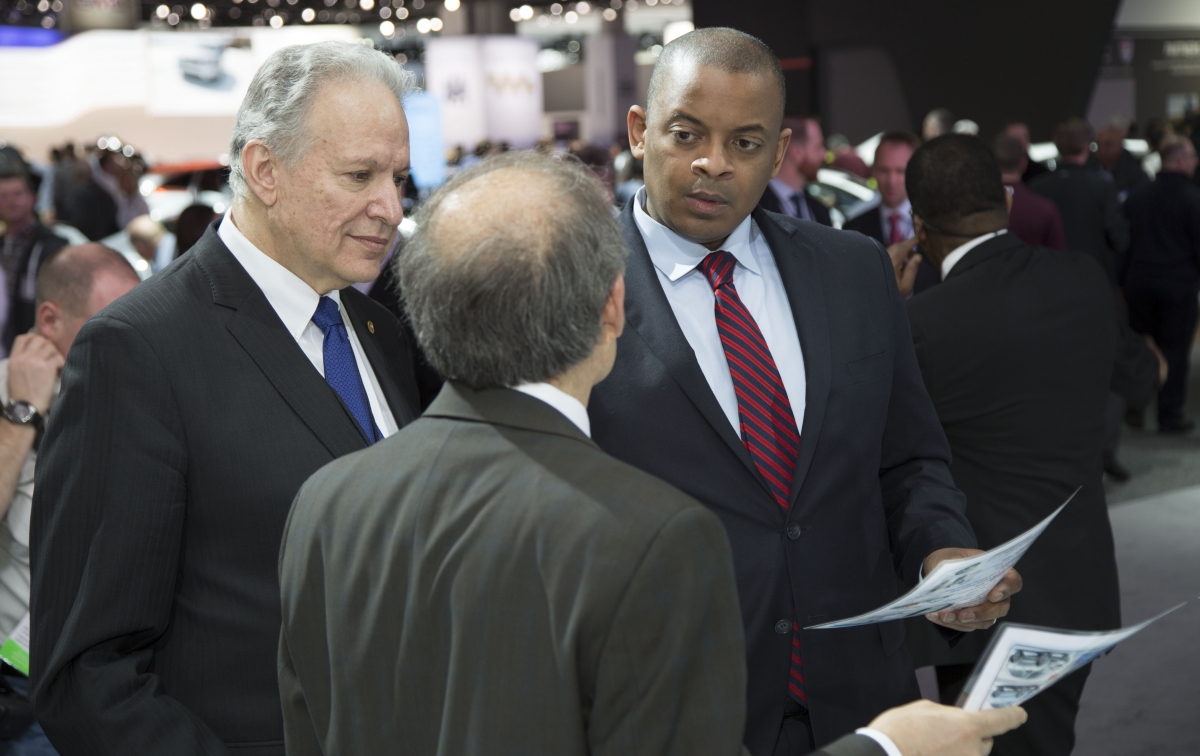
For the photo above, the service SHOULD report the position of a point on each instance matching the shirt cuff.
(883, 740)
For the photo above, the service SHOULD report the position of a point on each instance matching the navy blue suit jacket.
(872, 494)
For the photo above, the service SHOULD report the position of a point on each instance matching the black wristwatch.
(23, 413)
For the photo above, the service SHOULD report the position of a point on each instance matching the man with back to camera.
(193, 409)
(488, 581)
(1017, 349)
(1032, 218)
(1161, 275)
(891, 223)
(73, 284)
(805, 338)
(786, 192)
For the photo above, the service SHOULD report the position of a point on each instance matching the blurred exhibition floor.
(1144, 698)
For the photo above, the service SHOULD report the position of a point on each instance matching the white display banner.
(512, 90)
(454, 75)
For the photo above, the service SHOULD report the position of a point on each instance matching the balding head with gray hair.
(511, 266)
(277, 102)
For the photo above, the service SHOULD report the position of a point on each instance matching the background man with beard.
(747, 334)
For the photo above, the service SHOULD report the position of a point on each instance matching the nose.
(713, 163)
(385, 206)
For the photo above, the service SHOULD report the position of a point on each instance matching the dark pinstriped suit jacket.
(188, 420)
(488, 581)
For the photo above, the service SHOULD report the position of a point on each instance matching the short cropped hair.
(522, 305)
(1073, 137)
(952, 177)
(67, 276)
(275, 108)
(1009, 151)
(9, 171)
(1171, 145)
(898, 137)
(725, 49)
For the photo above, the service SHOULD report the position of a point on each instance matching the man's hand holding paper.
(981, 616)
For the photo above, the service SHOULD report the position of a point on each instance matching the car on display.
(847, 196)
(202, 63)
(170, 187)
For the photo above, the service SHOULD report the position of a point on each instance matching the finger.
(993, 722)
(20, 343)
(985, 747)
(1009, 584)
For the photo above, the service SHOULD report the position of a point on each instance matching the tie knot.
(327, 315)
(718, 268)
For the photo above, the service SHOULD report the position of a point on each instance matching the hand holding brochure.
(954, 583)
(1022, 661)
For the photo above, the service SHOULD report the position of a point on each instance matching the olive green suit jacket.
(487, 581)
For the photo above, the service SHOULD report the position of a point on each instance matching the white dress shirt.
(793, 206)
(569, 406)
(758, 284)
(295, 302)
(886, 743)
(961, 251)
(904, 212)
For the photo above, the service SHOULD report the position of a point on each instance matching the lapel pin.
(370, 326)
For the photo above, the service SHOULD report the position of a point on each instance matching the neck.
(1010, 178)
(578, 380)
(789, 173)
(893, 206)
(16, 227)
(250, 217)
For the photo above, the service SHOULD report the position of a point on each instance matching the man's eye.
(399, 180)
(360, 175)
(684, 136)
(747, 145)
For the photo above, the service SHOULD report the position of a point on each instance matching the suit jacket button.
(783, 627)
(793, 530)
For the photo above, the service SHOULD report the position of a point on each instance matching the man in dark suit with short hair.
(768, 371)
(787, 193)
(1032, 218)
(193, 409)
(1017, 347)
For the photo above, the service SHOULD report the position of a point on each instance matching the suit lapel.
(649, 313)
(383, 364)
(797, 263)
(262, 334)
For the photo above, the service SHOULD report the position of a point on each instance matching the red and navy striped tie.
(768, 424)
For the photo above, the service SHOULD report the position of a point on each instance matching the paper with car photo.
(954, 583)
(1022, 661)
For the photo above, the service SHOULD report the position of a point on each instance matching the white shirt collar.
(676, 256)
(904, 209)
(961, 251)
(292, 299)
(569, 406)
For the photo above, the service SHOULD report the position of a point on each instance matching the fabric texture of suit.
(820, 213)
(189, 418)
(22, 299)
(870, 224)
(1017, 348)
(1034, 219)
(872, 494)
(1091, 215)
(488, 581)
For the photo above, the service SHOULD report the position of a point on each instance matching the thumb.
(999, 721)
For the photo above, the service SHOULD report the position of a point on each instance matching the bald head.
(510, 267)
(74, 284)
(725, 49)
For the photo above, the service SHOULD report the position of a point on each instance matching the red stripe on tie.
(768, 424)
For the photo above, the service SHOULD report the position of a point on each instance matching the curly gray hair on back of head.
(275, 109)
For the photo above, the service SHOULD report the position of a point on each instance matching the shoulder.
(836, 248)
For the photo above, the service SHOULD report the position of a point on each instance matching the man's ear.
(781, 148)
(49, 320)
(612, 317)
(261, 169)
(637, 132)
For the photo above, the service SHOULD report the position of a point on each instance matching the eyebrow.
(682, 116)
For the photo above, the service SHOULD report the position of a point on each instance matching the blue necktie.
(341, 369)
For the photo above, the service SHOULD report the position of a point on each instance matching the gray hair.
(502, 303)
(275, 109)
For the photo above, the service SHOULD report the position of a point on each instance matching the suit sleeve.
(852, 745)
(671, 679)
(299, 731)
(106, 536)
(1056, 238)
(925, 510)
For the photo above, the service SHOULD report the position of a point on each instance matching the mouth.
(704, 203)
(377, 244)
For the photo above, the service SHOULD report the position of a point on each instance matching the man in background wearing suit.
(1162, 274)
(488, 581)
(891, 223)
(193, 409)
(749, 332)
(786, 193)
(1086, 199)
(24, 246)
(1016, 347)
(1032, 218)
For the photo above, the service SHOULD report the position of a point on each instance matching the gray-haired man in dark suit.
(488, 580)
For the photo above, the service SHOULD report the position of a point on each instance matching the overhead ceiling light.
(514, 15)
(199, 11)
(366, 4)
(436, 24)
(276, 21)
(162, 11)
(387, 29)
(609, 14)
(452, 5)
(571, 17)
(583, 8)
(423, 25)
(526, 12)
(308, 15)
